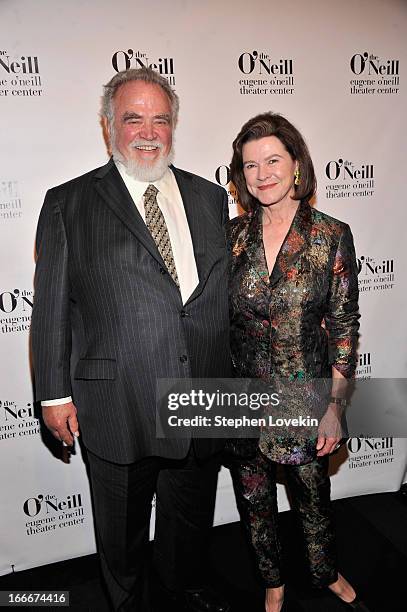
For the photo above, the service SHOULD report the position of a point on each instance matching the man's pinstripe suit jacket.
(108, 320)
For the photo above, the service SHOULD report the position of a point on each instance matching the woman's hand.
(329, 431)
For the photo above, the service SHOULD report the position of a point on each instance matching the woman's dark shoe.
(357, 604)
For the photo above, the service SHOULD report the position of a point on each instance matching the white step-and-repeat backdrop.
(335, 69)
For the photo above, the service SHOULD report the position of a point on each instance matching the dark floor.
(372, 551)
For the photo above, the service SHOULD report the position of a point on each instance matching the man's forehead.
(142, 93)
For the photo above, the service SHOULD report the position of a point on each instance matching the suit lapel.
(196, 211)
(254, 248)
(112, 189)
(294, 243)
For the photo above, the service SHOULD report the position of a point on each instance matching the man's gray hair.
(148, 75)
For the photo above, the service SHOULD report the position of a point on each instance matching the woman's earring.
(297, 177)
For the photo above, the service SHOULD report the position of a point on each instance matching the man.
(130, 287)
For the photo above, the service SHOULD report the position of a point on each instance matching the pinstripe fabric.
(108, 319)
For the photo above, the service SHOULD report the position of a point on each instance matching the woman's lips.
(264, 187)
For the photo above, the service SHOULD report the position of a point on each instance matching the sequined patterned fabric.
(254, 482)
(158, 229)
(299, 321)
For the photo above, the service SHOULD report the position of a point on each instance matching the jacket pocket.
(95, 369)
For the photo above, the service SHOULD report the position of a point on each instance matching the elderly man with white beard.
(130, 287)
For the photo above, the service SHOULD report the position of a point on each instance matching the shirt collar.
(137, 188)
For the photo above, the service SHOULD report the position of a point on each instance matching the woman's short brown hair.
(272, 124)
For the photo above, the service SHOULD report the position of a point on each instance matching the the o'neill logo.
(265, 74)
(123, 60)
(222, 177)
(375, 75)
(348, 179)
(15, 310)
(347, 170)
(19, 76)
(367, 452)
(364, 367)
(17, 420)
(365, 63)
(375, 274)
(48, 512)
(10, 201)
(50, 504)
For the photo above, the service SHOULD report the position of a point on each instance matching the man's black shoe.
(205, 600)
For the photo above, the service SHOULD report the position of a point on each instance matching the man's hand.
(329, 432)
(62, 422)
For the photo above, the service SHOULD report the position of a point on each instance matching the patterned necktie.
(158, 229)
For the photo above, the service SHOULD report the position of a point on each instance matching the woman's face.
(269, 170)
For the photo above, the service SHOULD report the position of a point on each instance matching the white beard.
(147, 173)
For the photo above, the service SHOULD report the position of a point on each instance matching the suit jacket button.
(163, 271)
(183, 359)
(183, 314)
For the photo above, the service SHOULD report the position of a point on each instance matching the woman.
(294, 318)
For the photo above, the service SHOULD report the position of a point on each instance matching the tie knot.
(150, 192)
